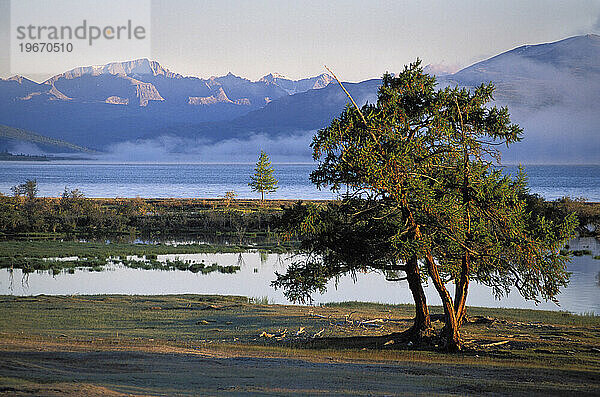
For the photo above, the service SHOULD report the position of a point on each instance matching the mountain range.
(100, 105)
(552, 90)
(141, 82)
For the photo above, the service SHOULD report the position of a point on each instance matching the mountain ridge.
(16, 134)
(550, 88)
(139, 81)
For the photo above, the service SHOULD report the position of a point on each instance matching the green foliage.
(581, 252)
(263, 180)
(230, 196)
(60, 249)
(37, 257)
(260, 300)
(418, 168)
(28, 189)
(587, 213)
(72, 213)
(339, 238)
(75, 216)
(524, 250)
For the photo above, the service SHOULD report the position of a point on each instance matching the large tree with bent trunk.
(421, 190)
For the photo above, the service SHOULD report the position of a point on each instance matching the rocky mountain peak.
(297, 86)
(16, 77)
(137, 67)
(271, 77)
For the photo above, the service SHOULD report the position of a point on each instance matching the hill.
(540, 75)
(552, 91)
(305, 111)
(10, 136)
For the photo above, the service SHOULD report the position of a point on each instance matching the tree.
(263, 180)
(28, 189)
(425, 159)
(71, 210)
(230, 195)
(74, 194)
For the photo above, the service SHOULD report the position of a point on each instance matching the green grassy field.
(212, 345)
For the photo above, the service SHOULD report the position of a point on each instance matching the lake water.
(255, 276)
(213, 180)
(256, 273)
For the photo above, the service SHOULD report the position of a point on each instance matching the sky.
(356, 39)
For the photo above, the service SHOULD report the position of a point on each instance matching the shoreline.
(217, 200)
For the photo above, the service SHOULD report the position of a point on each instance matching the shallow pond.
(257, 271)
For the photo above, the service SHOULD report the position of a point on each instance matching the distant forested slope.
(10, 135)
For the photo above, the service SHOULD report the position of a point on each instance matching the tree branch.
(348, 94)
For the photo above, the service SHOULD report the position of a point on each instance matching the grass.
(158, 345)
(261, 300)
(179, 317)
(66, 343)
(29, 265)
(61, 249)
(521, 315)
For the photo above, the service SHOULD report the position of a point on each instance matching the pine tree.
(424, 193)
(263, 180)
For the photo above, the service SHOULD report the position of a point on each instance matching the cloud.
(596, 27)
(20, 147)
(555, 135)
(290, 148)
(555, 102)
(441, 69)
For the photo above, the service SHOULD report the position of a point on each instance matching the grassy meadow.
(192, 344)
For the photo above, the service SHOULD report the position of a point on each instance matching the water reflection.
(11, 281)
(256, 271)
(248, 239)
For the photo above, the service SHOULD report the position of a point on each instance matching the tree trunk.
(450, 331)
(462, 288)
(422, 324)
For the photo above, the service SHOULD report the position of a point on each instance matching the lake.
(255, 276)
(257, 271)
(213, 180)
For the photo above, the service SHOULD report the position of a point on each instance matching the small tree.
(263, 180)
(28, 189)
(230, 195)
